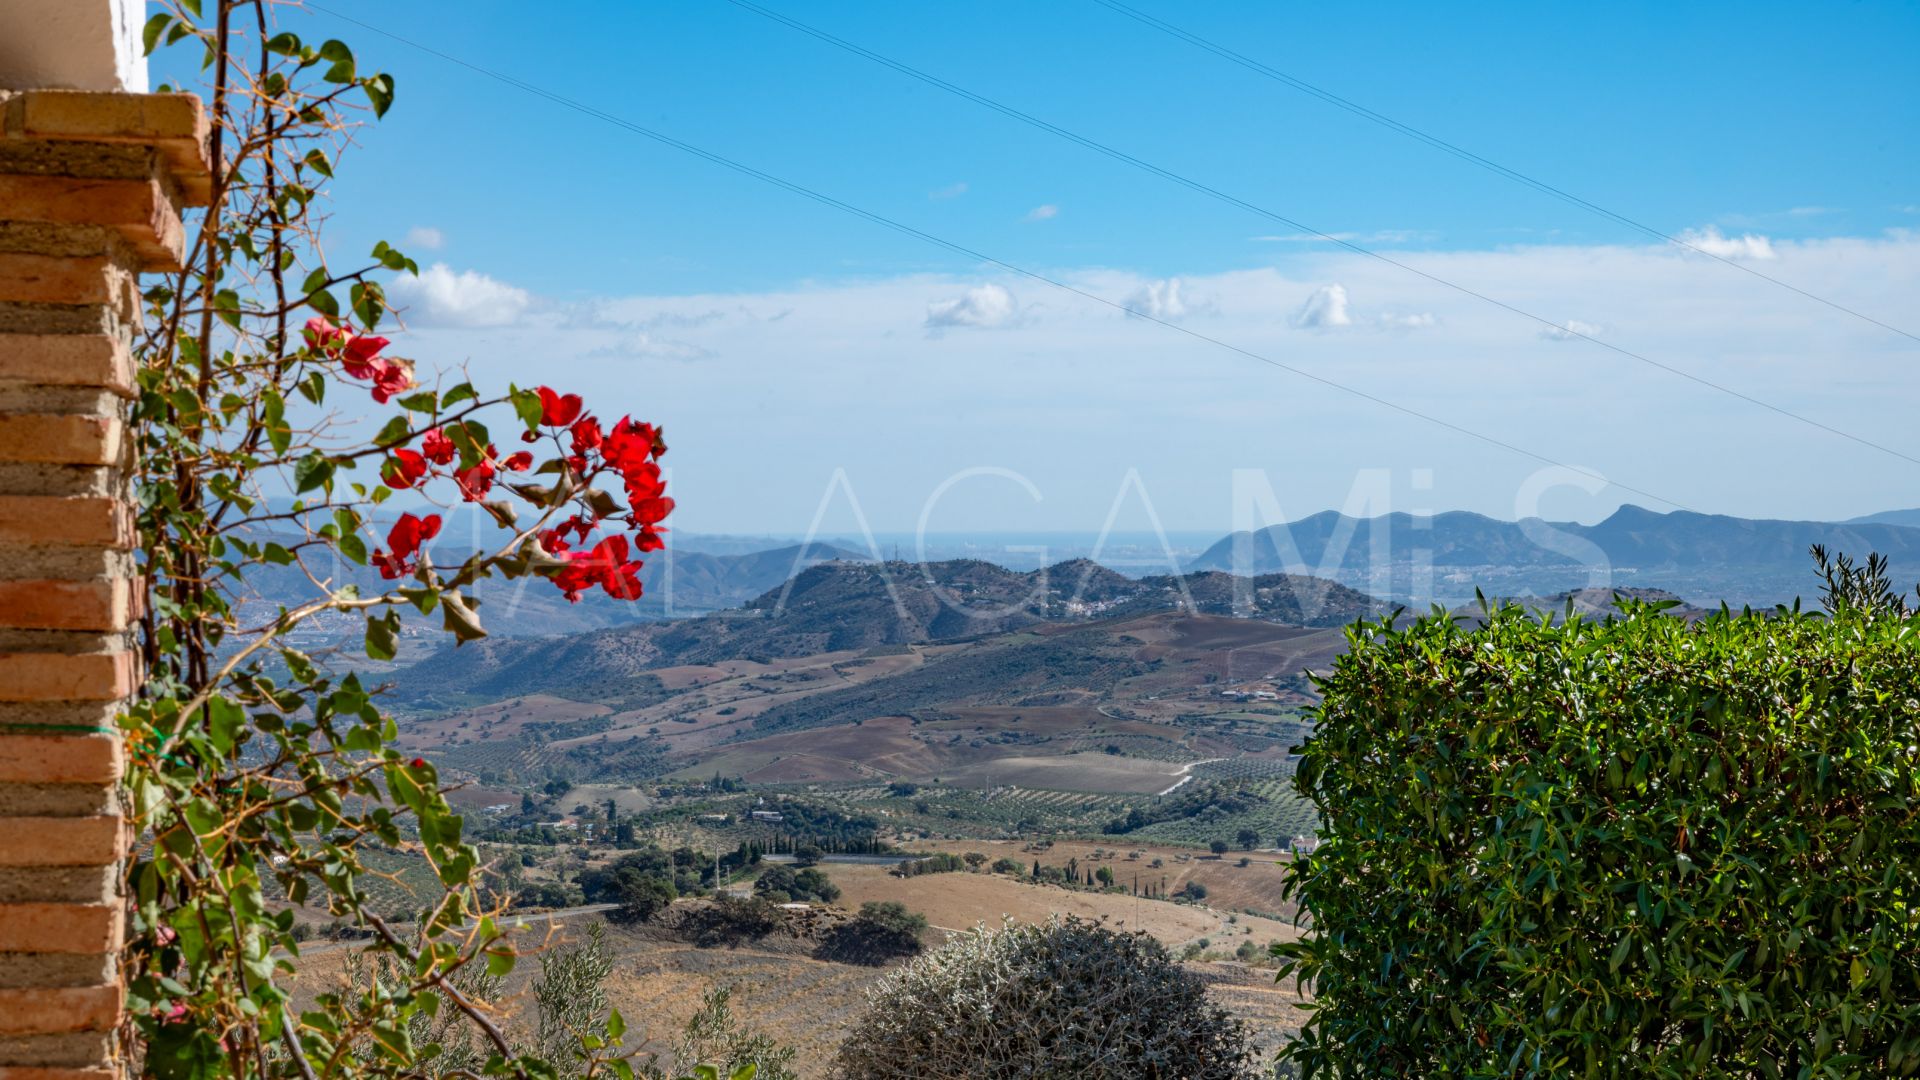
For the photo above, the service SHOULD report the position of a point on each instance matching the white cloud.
(1710, 240)
(1063, 390)
(463, 298)
(426, 236)
(1044, 212)
(1812, 211)
(985, 305)
(1572, 330)
(645, 346)
(1160, 299)
(1419, 320)
(1325, 309)
(951, 191)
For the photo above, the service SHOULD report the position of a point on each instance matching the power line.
(1464, 154)
(1563, 330)
(918, 234)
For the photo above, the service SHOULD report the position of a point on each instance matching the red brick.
(67, 677)
(26, 278)
(138, 209)
(67, 360)
(48, 1010)
(59, 759)
(60, 439)
(82, 929)
(41, 1072)
(77, 841)
(84, 521)
(173, 124)
(68, 605)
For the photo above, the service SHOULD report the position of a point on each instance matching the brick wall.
(91, 189)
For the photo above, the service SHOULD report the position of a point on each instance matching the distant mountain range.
(1908, 518)
(1705, 557)
(676, 584)
(840, 606)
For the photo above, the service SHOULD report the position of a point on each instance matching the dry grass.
(1230, 886)
(960, 901)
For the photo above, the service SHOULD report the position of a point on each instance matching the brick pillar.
(91, 187)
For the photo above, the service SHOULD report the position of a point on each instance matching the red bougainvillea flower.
(358, 359)
(557, 409)
(606, 565)
(586, 435)
(629, 445)
(418, 763)
(649, 512)
(519, 462)
(437, 447)
(475, 480)
(619, 575)
(322, 334)
(404, 469)
(405, 539)
(390, 377)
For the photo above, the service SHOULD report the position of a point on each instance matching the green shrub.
(1066, 998)
(1628, 848)
(884, 930)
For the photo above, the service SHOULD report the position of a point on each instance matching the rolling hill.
(853, 607)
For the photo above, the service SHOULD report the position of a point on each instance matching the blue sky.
(782, 342)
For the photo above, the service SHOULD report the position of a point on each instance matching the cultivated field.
(960, 901)
(1230, 886)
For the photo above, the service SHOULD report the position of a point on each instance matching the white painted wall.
(72, 45)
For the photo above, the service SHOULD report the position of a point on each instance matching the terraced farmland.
(1281, 812)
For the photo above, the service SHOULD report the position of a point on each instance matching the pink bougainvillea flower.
(322, 334)
(390, 377)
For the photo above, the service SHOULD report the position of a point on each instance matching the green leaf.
(226, 307)
(526, 404)
(459, 618)
(314, 387)
(150, 34)
(396, 432)
(381, 633)
(273, 420)
(341, 69)
(313, 471)
(379, 90)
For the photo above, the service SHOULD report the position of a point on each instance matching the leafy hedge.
(1636, 847)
